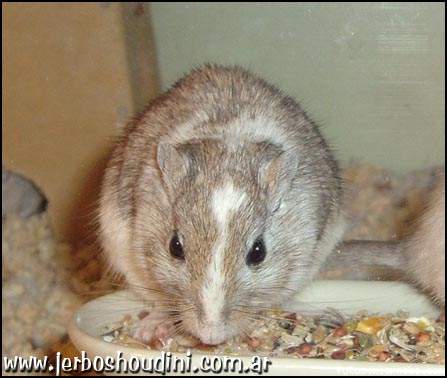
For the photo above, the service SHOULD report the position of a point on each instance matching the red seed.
(254, 342)
(383, 356)
(156, 344)
(304, 349)
(340, 332)
(203, 346)
(423, 337)
(338, 355)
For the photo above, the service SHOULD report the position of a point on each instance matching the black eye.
(176, 248)
(257, 253)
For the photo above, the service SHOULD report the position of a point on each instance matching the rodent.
(220, 199)
(424, 251)
(419, 258)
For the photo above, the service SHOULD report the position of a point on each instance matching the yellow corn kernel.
(371, 325)
(422, 323)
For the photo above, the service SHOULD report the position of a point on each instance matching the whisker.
(259, 316)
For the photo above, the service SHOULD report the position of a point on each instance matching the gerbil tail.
(365, 260)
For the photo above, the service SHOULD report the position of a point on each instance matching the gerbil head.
(218, 262)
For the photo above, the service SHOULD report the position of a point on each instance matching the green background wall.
(372, 74)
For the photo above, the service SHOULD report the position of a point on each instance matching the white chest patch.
(224, 203)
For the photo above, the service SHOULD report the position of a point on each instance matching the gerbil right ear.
(176, 162)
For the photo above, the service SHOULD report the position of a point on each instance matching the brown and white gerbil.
(222, 198)
(424, 251)
(419, 258)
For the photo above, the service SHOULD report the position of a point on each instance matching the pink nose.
(212, 334)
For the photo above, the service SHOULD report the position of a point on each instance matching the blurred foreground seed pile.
(36, 299)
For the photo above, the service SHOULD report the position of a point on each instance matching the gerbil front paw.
(153, 327)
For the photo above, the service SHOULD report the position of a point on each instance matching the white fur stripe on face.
(224, 202)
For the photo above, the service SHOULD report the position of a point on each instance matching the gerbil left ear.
(277, 168)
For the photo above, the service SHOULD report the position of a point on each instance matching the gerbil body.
(418, 258)
(220, 199)
(425, 249)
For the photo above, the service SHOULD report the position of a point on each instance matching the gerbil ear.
(176, 162)
(277, 168)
